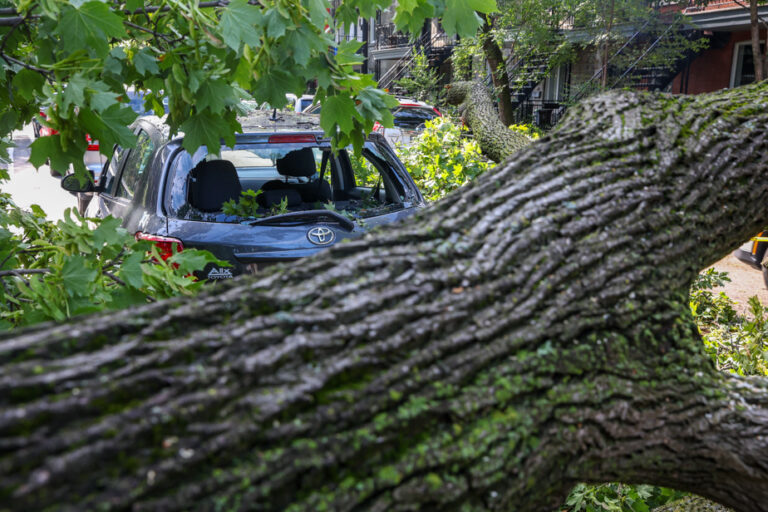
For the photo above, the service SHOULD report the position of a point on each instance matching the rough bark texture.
(526, 333)
(499, 74)
(496, 141)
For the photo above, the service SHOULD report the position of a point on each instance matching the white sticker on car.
(220, 273)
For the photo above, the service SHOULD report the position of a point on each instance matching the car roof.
(262, 121)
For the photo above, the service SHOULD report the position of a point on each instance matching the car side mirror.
(71, 183)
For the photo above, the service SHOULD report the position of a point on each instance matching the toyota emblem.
(321, 236)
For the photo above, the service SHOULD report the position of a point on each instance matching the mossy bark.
(476, 108)
(527, 332)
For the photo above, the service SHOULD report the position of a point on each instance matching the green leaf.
(145, 62)
(276, 23)
(131, 271)
(214, 94)
(27, 83)
(191, 260)
(134, 5)
(241, 22)
(460, 16)
(109, 232)
(102, 100)
(77, 276)
(90, 26)
(111, 126)
(49, 147)
(243, 74)
(272, 87)
(204, 129)
(317, 13)
(124, 297)
(338, 110)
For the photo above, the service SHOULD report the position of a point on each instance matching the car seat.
(300, 163)
(211, 183)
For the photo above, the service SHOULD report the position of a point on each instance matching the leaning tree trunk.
(499, 74)
(526, 333)
(475, 103)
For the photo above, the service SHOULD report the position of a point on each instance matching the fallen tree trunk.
(476, 108)
(526, 333)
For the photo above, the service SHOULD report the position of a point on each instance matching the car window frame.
(139, 130)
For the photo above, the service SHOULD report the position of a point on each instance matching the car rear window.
(282, 171)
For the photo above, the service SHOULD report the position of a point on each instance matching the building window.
(743, 70)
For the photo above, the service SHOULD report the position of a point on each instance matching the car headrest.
(211, 183)
(270, 198)
(298, 163)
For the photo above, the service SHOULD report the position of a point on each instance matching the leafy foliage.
(77, 266)
(619, 498)
(74, 59)
(245, 206)
(442, 159)
(737, 343)
(423, 82)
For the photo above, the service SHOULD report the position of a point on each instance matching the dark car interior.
(299, 183)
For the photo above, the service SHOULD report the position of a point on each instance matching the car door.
(122, 178)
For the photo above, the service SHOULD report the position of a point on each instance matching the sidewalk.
(30, 186)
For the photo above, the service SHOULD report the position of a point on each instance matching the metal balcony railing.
(387, 36)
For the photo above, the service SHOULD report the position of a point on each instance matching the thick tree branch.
(527, 332)
(496, 141)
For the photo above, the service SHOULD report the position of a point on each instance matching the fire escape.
(531, 69)
(434, 44)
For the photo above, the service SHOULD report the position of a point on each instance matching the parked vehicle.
(755, 255)
(300, 103)
(409, 118)
(306, 197)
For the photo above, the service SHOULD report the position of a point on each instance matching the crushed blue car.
(303, 198)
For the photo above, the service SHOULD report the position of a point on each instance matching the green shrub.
(442, 159)
(54, 271)
(423, 82)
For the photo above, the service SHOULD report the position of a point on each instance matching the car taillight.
(93, 145)
(46, 130)
(167, 246)
(377, 127)
(437, 111)
(278, 139)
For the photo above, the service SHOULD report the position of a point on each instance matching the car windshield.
(282, 178)
(412, 118)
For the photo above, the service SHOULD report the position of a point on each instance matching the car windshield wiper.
(305, 217)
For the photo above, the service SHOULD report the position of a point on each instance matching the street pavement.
(30, 186)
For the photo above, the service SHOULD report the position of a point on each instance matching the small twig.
(114, 277)
(22, 271)
(166, 37)
(12, 60)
